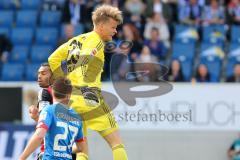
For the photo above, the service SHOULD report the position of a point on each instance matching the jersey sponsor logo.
(62, 155)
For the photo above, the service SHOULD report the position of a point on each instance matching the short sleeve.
(80, 137)
(45, 118)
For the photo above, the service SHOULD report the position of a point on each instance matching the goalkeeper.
(81, 59)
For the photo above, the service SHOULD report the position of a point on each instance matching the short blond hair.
(104, 12)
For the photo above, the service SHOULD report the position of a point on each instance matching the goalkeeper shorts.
(95, 113)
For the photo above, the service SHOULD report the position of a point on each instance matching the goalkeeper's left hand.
(90, 97)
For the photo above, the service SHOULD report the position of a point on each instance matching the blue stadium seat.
(208, 49)
(12, 72)
(47, 36)
(40, 54)
(234, 50)
(235, 34)
(7, 4)
(233, 57)
(50, 18)
(185, 34)
(22, 36)
(186, 65)
(230, 65)
(214, 65)
(31, 71)
(183, 50)
(214, 34)
(212, 56)
(208, 45)
(5, 31)
(6, 18)
(19, 54)
(26, 18)
(30, 4)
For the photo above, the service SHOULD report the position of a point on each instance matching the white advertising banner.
(186, 107)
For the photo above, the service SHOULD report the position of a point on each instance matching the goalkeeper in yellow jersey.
(81, 59)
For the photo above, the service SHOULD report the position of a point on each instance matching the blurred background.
(192, 44)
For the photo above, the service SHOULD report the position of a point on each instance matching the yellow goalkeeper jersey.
(81, 59)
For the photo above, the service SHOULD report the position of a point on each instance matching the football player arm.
(80, 141)
(56, 58)
(45, 119)
(33, 143)
(78, 146)
(232, 152)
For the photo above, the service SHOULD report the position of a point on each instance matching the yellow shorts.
(98, 118)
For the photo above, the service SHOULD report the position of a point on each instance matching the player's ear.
(101, 26)
(51, 79)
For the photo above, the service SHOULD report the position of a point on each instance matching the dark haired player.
(59, 125)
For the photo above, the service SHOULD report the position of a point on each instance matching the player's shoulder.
(49, 107)
(94, 40)
(75, 114)
(82, 38)
(44, 97)
(89, 36)
(93, 35)
(42, 91)
(88, 40)
(72, 111)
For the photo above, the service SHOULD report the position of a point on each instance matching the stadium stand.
(12, 72)
(36, 31)
(26, 18)
(19, 54)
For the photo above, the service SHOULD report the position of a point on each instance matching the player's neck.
(63, 101)
(96, 30)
